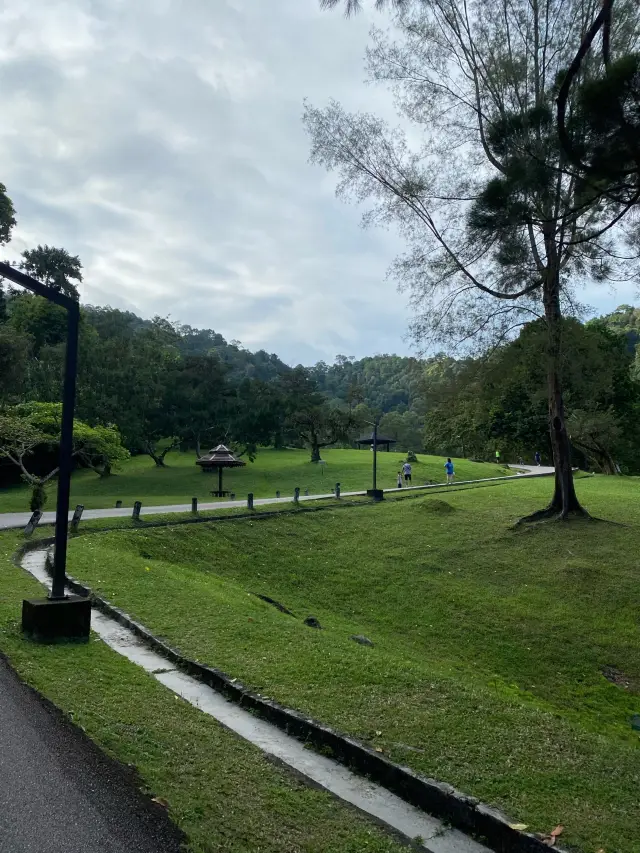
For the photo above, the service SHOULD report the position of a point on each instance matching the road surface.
(60, 794)
(10, 520)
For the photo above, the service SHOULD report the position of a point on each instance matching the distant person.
(448, 467)
(406, 470)
(497, 457)
(538, 458)
(399, 480)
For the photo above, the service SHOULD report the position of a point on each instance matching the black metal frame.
(68, 405)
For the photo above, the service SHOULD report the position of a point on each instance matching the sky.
(161, 141)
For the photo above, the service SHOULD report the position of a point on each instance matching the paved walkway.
(60, 794)
(10, 520)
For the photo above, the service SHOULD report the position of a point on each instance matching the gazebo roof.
(381, 439)
(220, 457)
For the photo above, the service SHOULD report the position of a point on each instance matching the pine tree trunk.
(564, 501)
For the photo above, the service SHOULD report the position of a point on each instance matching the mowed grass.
(489, 641)
(272, 471)
(221, 791)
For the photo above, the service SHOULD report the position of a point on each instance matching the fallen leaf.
(161, 802)
(378, 734)
(519, 826)
(550, 839)
(378, 749)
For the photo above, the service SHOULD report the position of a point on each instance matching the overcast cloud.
(161, 141)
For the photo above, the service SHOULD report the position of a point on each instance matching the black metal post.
(220, 481)
(375, 456)
(66, 451)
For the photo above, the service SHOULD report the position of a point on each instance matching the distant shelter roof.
(381, 439)
(220, 457)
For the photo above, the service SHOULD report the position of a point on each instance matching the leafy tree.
(625, 320)
(498, 230)
(42, 321)
(7, 215)
(406, 428)
(26, 427)
(54, 267)
(309, 416)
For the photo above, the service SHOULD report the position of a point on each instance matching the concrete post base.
(52, 621)
(376, 494)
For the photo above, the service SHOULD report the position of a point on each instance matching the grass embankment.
(490, 643)
(221, 791)
(273, 470)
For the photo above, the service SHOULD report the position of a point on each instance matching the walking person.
(399, 480)
(538, 458)
(406, 470)
(497, 457)
(448, 467)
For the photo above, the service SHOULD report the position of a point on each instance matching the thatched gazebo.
(217, 459)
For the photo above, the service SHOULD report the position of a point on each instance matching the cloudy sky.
(161, 141)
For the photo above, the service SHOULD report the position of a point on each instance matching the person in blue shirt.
(448, 467)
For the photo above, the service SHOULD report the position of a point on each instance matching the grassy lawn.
(221, 791)
(273, 470)
(489, 642)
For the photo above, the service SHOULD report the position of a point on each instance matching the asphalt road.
(10, 520)
(60, 794)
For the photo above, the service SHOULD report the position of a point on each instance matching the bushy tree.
(28, 426)
(54, 267)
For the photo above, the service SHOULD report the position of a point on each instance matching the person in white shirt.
(406, 470)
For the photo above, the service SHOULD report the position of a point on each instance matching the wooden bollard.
(77, 515)
(296, 495)
(277, 494)
(136, 510)
(337, 490)
(250, 500)
(194, 504)
(118, 504)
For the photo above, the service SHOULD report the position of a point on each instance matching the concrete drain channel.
(382, 805)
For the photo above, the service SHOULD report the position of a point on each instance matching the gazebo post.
(220, 481)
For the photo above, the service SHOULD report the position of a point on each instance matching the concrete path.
(11, 520)
(60, 794)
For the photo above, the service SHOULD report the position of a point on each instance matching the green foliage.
(54, 267)
(385, 383)
(501, 401)
(38, 497)
(28, 426)
(40, 321)
(7, 215)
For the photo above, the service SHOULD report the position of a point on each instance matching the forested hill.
(110, 322)
(384, 383)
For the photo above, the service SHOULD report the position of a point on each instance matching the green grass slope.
(490, 643)
(224, 793)
(273, 470)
